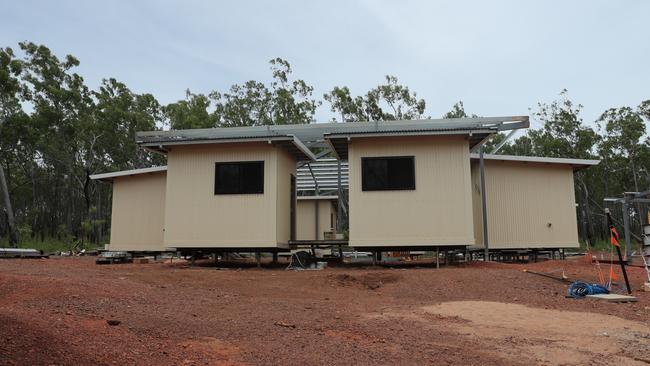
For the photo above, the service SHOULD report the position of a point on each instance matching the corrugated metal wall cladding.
(523, 199)
(476, 206)
(437, 212)
(326, 173)
(286, 166)
(138, 213)
(195, 216)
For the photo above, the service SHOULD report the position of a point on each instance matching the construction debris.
(613, 297)
(21, 253)
(580, 289)
(302, 260)
(563, 278)
(285, 325)
(114, 257)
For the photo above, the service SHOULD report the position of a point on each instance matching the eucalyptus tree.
(72, 132)
(62, 123)
(192, 112)
(283, 100)
(622, 145)
(10, 115)
(119, 114)
(254, 103)
(457, 111)
(348, 108)
(385, 102)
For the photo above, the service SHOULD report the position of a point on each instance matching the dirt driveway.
(55, 311)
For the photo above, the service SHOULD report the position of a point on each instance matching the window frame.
(217, 164)
(364, 183)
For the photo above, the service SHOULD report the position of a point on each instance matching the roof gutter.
(350, 135)
(227, 140)
(127, 173)
(575, 163)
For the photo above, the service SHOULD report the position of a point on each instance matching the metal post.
(316, 220)
(610, 224)
(339, 207)
(437, 257)
(486, 253)
(626, 227)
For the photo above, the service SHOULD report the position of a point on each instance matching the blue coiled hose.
(581, 289)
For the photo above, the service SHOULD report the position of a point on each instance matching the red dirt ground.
(55, 311)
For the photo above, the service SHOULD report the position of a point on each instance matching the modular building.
(231, 193)
(410, 191)
(530, 202)
(399, 185)
(228, 193)
(138, 209)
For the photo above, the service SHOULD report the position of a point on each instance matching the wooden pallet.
(613, 298)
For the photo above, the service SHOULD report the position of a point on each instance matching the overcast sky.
(498, 57)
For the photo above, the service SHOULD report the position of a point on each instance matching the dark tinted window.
(239, 177)
(388, 173)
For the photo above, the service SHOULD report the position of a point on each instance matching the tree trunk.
(585, 199)
(86, 233)
(35, 216)
(13, 235)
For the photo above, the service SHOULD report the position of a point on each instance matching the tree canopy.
(385, 102)
(279, 102)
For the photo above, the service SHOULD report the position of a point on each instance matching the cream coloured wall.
(196, 217)
(138, 213)
(286, 168)
(522, 200)
(306, 218)
(438, 212)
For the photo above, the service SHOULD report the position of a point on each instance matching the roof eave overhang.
(109, 177)
(576, 164)
(338, 142)
(293, 145)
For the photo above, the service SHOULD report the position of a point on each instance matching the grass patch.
(49, 245)
(599, 245)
